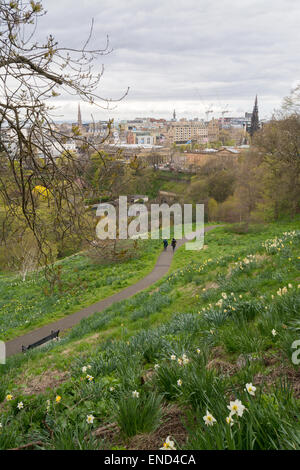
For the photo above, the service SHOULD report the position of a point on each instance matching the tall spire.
(254, 119)
(79, 120)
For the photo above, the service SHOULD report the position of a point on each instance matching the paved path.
(161, 268)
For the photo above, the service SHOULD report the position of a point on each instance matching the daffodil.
(157, 366)
(168, 445)
(90, 419)
(229, 420)
(185, 359)
(58, 399)
(209, 419)
(135, 394)
(250, 389)
(236, 407)
(9, 397)
(173, 357)
(198, 351)
(90, 378)
(274, 332)
(179, 382)
(20, 405)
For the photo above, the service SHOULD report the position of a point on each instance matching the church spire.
(254, 119)
(79, 119)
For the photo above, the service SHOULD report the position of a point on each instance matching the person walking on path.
(165, 244)
(173, 243)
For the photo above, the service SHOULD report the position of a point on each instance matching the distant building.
(79, 119)
(213, 130)
(254, 127)
(188, 131)
(142, 138)
(130, 138)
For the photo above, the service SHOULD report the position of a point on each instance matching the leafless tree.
(31, 75)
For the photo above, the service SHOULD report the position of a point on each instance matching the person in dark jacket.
(173, 243)
(165, 242)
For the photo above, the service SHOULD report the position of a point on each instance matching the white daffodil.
(173, 357)
(236, 407)
(250, 389)
(274, 332)
(157, 366)
(168, 445)
(209, 419)
(198, 351)
(84, 369)
(111, 389)
(90, 378)
(20, 405)
(229, 420)
(185, 359)
(135, 394)
(90, 419)
(179, 382)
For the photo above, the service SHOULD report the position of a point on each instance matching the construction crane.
(209, 111)
(225, 111)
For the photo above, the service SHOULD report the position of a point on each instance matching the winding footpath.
(160, 269)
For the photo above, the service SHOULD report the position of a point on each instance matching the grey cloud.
(179, 51)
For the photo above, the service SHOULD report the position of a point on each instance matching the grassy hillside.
(168, 181)
(171, 360)
(27, 305)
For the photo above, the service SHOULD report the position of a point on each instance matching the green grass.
(27, 305)
(215, 313)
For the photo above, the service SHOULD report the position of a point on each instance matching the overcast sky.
(191, 55)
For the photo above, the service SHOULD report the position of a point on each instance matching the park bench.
(53, 335)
